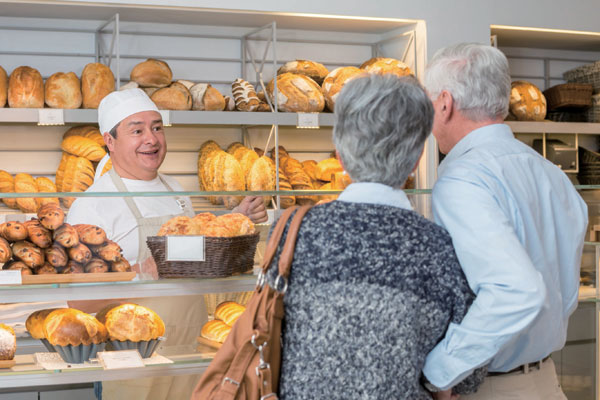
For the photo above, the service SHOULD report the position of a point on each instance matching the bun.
(120, 266)
(63, 91)
(24, 183)
(297, 93)
(132, 322)
(35, 323)
(13, 231)
(26, 88)
(66, 236)
(215, 330)
(45, 270)
(96, 265)
(87, 131)
(56, 256)
(83, 147)
(206, 98)
(80, 253)
(527, 102)
(97, 80)
(244, 95)
(327, 168)
(109, 251)
(39, 235)
(5, 251)
(29, 253)
(335, 81)
(68, 326)
(152, 73)
(8, 342)
(229, 312)
(18, 265)
(381, 65)
(314, 70)
(51, 216)
(7, 185)
(174, 97)
(45, 185)
(3, 87)
(72, 268)
(90, 234)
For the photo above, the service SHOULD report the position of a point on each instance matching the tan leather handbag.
(247, 365)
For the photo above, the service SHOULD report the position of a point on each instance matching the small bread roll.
(314, 70)
(39, 235)
(3, 87)
(335, 81)
(174, 97)
(45, 185)
(83, 147)
(72, 268)
(29, 253)
(90, 234)
(80, 253)
(206, 98)
(18, 265)
(66, 236)
(109, 251)
(96, 265)
(97, 80)
(45, 269)
(24, 183)
(51, 216)
(152, 73)
(7, 185)
(13, 231)
(63, 90)
(68, 326)
(26, 88)
(5, 251)
(56, 256)
(381, 65)
(120, 266)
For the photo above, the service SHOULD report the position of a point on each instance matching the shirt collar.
(473, 139)
(375, 193)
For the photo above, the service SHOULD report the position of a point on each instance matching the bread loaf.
(96, 266)
(68, 326)
(83, 147)
(527, 102)
(87, 131)
(90, 234)
(45, 269)
(39, 235)
(35, 323)
(245, 156)
(174, 97)
(132, 322)
(109, 251)
(314, 70)
(5, 251)
(18, 266)
(206, 149)
(120, 266)
(152, 73)
(78, 176)
(63, 90)
(56, 256)
(66, 236)
(129, 85)
(284, 185)
(229, 312)
(327, 168)
(25, 88)
(226, 175)
(206, 98)
(45, 185)
(60, 170)
(7, 185)
(261, 177)
(180, 225)
(80, 253)
(215, 330)
(8, 342)
(381, 65)
(97, 80)
(335, 81)
(13, 231)
(24, 183)
(3, 87)
(51, 216)
(297, 93)
(29, 253)
(238, 223)
(244, 95)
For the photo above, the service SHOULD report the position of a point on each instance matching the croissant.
(83, 147)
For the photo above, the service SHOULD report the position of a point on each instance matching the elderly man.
(517, 225)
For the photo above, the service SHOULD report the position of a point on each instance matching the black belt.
(524, 369)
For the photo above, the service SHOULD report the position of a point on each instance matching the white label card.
(10, 277)
(185, 248)
(120, 359)
(166, 117)
(51, 116)
(308, 120)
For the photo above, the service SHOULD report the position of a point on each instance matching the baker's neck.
(140, 176)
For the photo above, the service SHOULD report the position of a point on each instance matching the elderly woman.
(373, 285)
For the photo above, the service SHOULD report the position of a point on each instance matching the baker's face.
(140, 147)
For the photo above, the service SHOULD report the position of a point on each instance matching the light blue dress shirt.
(518, 227)
(375, 193)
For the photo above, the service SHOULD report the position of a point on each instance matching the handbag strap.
(275, 238)
(287, 254)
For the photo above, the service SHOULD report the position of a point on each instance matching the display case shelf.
(583, 128)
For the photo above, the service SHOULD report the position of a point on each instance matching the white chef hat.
(117, 106)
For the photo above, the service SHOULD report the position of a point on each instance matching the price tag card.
(166, 117)
(51, 116)
(120, 359)
(308, 121)
(10, 277)
(185, 248)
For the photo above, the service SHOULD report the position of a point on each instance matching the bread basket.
(569, 95)
(224, 256)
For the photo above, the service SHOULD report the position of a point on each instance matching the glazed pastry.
(13, 231)
(38, 235)
(120, 266)
(109, 251)
(72, 268)
(90, 234)
(66, 236)
(131, 322)
(215, 330)
(96, 265)
(80, 253)
(244, 95)
(7, 185)
(8, 342)
(45, 269)
(68, 326)
(56, 256)
(51, 216)
(29, 253)
(5, 251)
(229, 312)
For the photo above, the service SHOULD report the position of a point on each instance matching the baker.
(133, 132)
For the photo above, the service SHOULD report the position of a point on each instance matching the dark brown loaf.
(3, 87)
(13, 231)
(152, 73)
(72, 268)
(45, 270)
(51, 216)
(29, 253)
(26, 88)
(56, 256)
(63, 90)
(97, 80)
(80, 253)
(90, 234)
(5, 251)
(96, 265)
(66, 236)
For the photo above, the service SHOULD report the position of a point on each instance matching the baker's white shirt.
(113, 215)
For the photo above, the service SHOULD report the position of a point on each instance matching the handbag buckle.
(262, 365)
(260, 281)
(229, 380)
(285, 284)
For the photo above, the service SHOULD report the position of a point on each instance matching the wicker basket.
(569, 95)
(589, 73)
(224, 257)
(593, 113)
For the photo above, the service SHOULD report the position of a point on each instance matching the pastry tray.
(209, 342)
(77, 278)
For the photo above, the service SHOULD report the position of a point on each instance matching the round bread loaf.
(29, 253)
(56, 256)
(26, 88)
(174, 97)
(381, 65)
(132, 322)
(96, 266)
(206, 98)
(244, 95)
(297, 93)
(335, 81)
(152, 73)
(3, 87)
(8, 342)
(527, 102)
(66, 236)
(68, 326)
(63, 90)
(314, 70)
(13, 231)
(97, 80)
(35, 323)
(51, 216)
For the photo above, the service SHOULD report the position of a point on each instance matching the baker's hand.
(445, 395)
(253, 207)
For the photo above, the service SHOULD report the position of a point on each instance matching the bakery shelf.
(125, 289)
(584, 128)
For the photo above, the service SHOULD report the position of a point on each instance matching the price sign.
(10, 277)
(185, 248)
(51, 116)
(308, 121)
(120, 359)
(166, 117)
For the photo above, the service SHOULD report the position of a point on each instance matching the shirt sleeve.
(84, 211)
(509, 291)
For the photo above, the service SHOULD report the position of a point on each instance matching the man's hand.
(445, 395)
(253, 207)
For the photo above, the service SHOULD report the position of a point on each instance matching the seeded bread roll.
(312, 69)
(13, 231)
(69, 326)
(63, 91)
(66, 236)
(51, 216)
(335, 81)
(297, 93)
(3, 87)
(5, 251)
(174, 97)
(96, 265)
(206, 98)
(35, 323)
(244, 95)
(8, 342)
(7, 185)
(97, 80)
(152, 73)
(80, 253)
(381, 65)
(131, 322)
(24, 183)
(120, 266)
(18, 265)
(25, 88)
(90, 234)
(29, 253)
(45, 185)
(83, 147)
(527, 102)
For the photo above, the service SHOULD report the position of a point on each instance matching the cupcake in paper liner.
(131, 326)
(75, 335)
(35, 327)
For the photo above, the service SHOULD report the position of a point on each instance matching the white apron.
(183, 317)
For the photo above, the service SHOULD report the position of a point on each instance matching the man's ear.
(446, 105)
(109, 140)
